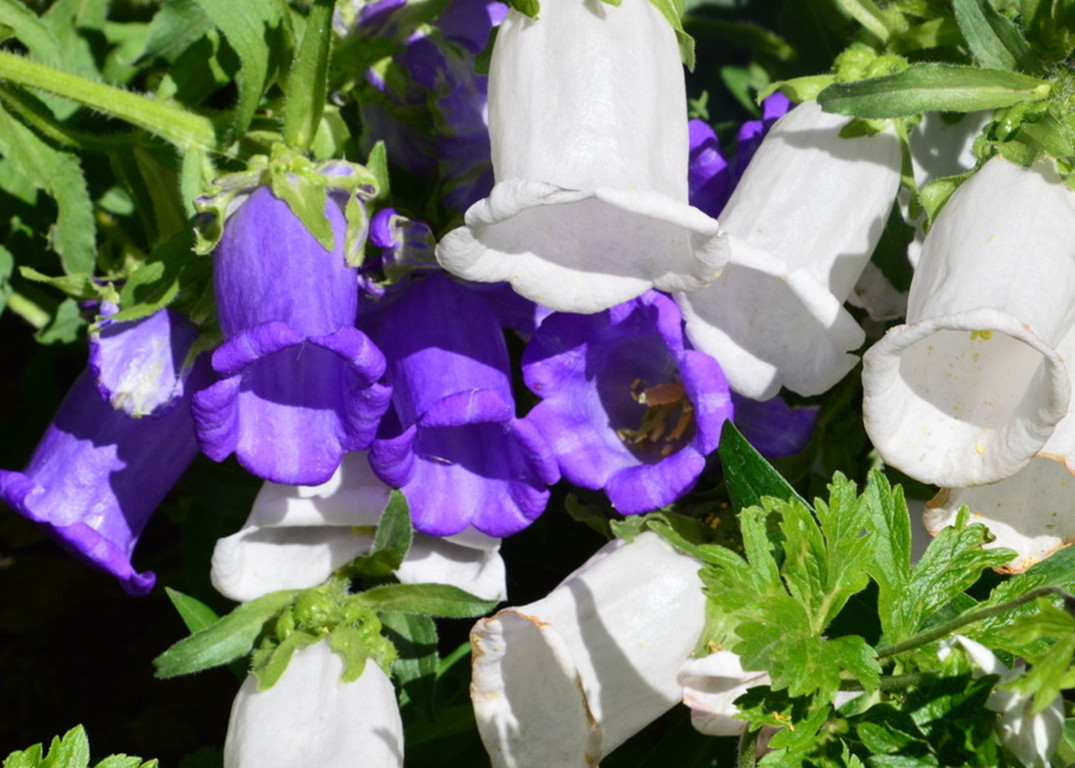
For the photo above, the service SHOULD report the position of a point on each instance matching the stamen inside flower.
(667, 422)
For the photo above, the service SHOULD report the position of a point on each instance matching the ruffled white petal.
(296, 536)
(971, 388)
(710, 686)
(563, 681)
(588, 131)
(802, 224)
(312, 718)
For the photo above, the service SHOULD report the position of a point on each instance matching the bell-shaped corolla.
(296, 536)
(99, 473)
(588, 129)
(801, 224)
(311, 717)
(971, 388)
(563, 681)
(298, 382)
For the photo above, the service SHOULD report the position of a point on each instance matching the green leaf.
(26, 758)
(1046, 677)
(799, 89)
(79, 286)
(7, 266)
(377, 164)
(439, 600)
(59, 174)
(526, 7)
(672, 10)
(246, 25)
(31, 31)
(195, 614)
(229, 638)
(157, 282)
(307, 85)
(416, 669)
(890, 553)
(391, 542)
(64, 327)
(177, 26)
(125, 761)
(749, 477)
(72, 751)
(993, 39)
(932, 87)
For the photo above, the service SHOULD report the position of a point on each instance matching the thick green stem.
(891, 682)
(968, 618)
(167, 120)
(748, 749)
(308, 84)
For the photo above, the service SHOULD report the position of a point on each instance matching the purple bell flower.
(299, 383)
(459, 454)
(98, 473)
(627, 407)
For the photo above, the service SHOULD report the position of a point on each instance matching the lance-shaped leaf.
(994, 39)
(226, 640)
(439, 600)
(748, 475)
(932, 87)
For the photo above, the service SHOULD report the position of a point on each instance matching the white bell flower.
(296, 536)
(1032, 738)
(802, 224)
(563, 681)
(588, 131)
(310, 717)
(973, 385)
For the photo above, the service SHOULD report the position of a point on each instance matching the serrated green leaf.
(174, 28)
(64, 327)
(993, 39)
(246, 26)
(931, 87)
(26, 758)
(123, 761)
(71, 751)
(269, 667)
(195, 614)
(78, 286)
(59, 174)
(229, 638)
(31, 31)
(748, 476)
(439, 600)
(170, 268)
(890, 553)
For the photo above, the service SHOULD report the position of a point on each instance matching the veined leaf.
(428, 599)
(993, 39)
(932, 87)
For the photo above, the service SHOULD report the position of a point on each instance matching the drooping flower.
(296, 536)
(625, 405)
(459, 454)
(98, 473)
(299, 383)
(588, 127)
(563, 681)
(974, 384)
(802, 224)
(1033, 737)
(311, 717)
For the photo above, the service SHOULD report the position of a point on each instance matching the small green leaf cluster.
(72, 750)
(358, 625)
(780, 604)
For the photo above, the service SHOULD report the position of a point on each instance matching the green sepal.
(440, 600)
(673, 10)
(270, 661)
(377, 165)
(80, 286)
(350, 643)
(529, 8)
(391, 542)
(932, 87)
(615, 3)
(229, 638)
(936, 193)
(307, 202)
(195, 614)
(798, 89)
(748, 476)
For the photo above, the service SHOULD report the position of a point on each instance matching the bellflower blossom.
(563, 681)
(310, 717)
(625, 405)
(974, 384)
(459, 454)
(98, 473)
(298, 383)
(802, 224)
(588, 129)
(296, 536)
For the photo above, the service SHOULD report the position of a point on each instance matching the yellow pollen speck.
(979, 448)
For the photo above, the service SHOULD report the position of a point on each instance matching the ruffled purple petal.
(140, 365)
(593, 371)
(773, 427)
(98, 474)
(710, 181)
(289, 407)
(461, 457)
